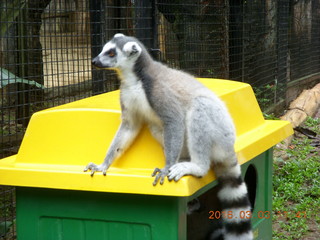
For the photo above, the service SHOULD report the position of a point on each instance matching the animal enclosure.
(46, 49)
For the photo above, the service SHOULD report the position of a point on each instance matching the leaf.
(4, 228)
(7, 77)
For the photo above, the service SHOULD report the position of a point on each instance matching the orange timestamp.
(239, 215)
(298, 214)
(250, 215)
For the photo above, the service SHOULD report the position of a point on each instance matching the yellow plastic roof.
(60, 141)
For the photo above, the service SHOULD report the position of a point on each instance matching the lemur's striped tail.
(236, 208)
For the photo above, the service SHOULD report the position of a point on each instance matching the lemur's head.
(119, 53)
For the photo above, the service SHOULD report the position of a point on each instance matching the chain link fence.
(46, 49)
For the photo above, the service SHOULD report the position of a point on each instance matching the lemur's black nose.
(94, 61)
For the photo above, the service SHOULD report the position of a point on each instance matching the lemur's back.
(179, 83)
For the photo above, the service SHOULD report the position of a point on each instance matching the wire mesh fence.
(46, 49)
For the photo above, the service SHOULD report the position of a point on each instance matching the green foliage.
(210, 73)
(4, 227)
(265, 94)
(270, 116)
(296, 181)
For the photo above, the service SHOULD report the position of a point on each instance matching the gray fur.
(189, 120)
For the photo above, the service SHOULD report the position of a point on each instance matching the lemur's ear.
(118, 35)
(132, 49)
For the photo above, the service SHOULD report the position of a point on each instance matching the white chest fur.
(134, 100)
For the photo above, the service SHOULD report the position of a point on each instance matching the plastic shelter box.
(57, 200)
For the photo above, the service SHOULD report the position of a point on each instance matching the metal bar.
(95, 7)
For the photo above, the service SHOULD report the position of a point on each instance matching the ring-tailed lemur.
(188, 119)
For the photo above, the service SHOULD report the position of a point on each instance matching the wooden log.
(308, 101)
(307, 104)
(295, 116)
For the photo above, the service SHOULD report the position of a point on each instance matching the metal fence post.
(146, 25)
(96, 15)
(282, 48)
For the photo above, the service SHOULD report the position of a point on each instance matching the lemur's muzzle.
(97, 63)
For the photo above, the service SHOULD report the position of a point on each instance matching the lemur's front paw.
(96, 168)
(159, 174)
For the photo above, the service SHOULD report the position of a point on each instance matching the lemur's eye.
(111, 53)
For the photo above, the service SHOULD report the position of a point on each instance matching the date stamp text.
(255, 215)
